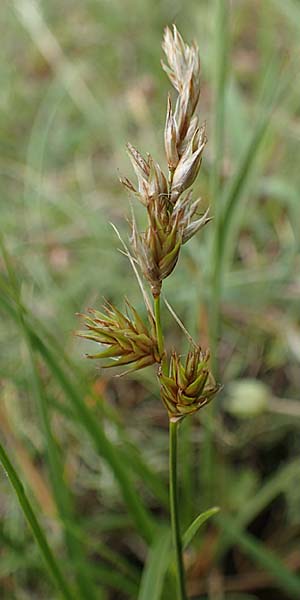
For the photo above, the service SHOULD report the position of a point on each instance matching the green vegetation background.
(79, 80)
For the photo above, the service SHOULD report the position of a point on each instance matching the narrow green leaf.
(38, 533)
(196, 524)
(61, 493)
(120, 467)
(156, 568)
(141, 517)
(133, 457)
(103, 445)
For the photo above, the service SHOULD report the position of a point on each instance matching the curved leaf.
(155, 568)
(196, 524)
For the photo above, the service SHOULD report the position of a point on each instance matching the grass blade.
(141, 517)
(104, 447)
(60, 490)
(62, 495)
(156, 568)
(196, 524)
(133, 456)
(28, 511)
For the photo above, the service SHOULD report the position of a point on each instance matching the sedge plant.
(186, 385)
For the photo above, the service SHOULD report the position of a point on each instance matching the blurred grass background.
(79, 80)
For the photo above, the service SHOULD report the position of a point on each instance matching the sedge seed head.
(189, 385)
(128, 340)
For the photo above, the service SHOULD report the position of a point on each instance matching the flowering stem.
(181, 592)
(159, 332)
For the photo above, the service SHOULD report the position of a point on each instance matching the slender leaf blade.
(196, 524)
(156, 568)
(50, 559)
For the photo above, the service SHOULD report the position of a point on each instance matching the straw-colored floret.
(172, 213)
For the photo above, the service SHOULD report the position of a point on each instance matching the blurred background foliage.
(79, 80)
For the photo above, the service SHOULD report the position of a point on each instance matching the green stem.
(160, 336)
(51, 562)
(159, 333)
(181, 592)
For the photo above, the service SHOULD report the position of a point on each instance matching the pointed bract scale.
(183, 70)
(151, 180)
(127, 183)
(186, 140)
(141, 168)
(196, 387)
(171, 138)
(138, 162)
(157, 183)
(195, 226)
(168, 262)
(182, 59)
(186, 171)
(139, 323)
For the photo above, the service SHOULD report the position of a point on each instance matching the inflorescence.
(173, 220)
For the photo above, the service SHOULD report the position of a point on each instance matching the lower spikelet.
(189, 386)
(128, 340)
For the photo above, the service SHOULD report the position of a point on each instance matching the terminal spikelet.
(182, 128)
(173, 216)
